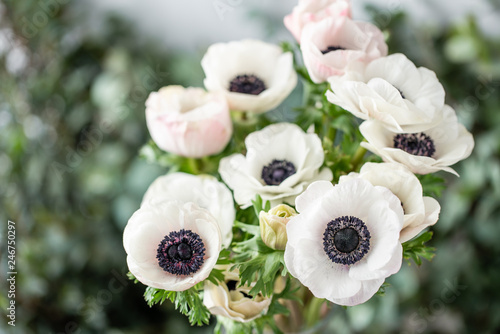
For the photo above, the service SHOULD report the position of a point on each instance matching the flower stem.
(193, 165)
(313, 311)
(357, 158)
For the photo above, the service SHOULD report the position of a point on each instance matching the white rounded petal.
(368, 289)
(282, 141)
(392, 90)
(225, 61)
(150, 224)
(432, 209)
(188, 121)
(203, 190)
(419, 211)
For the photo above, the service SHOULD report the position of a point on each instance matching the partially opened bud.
(273, 225)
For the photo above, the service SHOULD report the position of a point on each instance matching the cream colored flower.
(253, 76)
(424, 152)
(273, 225)
(419, 211)
(231, 301)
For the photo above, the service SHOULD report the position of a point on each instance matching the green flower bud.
(273, 225)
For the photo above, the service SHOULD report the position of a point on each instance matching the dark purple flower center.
(332, 48)
(277, 171)
(415, 143)
(181, 252)
(346, 240)
(247, 84)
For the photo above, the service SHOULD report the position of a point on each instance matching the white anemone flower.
(419, 211)
(204, 190)
(254, 76)
(345, 240)
(232, 301)
(171, 245)
(392, 90)
(423, 152)
(281, 161)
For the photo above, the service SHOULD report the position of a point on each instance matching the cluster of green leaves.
(188, 302)
(432, 185)
(416, 249)
(256, 262)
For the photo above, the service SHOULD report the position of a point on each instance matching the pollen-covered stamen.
(332, 48)
(181, 252)
(277, 171)
(247, 84)
(415, 143)
(346, 240)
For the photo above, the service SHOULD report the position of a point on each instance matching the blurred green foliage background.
(72, 122)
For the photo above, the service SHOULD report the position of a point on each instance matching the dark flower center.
(332, 48)
(181, 252)
(277, 171)
(346, 240)
(247, 84)
(415, 143)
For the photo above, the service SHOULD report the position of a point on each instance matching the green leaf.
(260, 205)
(381, 290)
(432, 185)
(131, 277)
(416, 249)
(188, 302)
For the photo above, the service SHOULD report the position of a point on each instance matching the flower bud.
(273, 225)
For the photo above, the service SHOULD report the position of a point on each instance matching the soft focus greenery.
(72, 123)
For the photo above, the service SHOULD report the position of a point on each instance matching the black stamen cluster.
(181, 253)
(415, 143)
(346, 240)
(332, 48)
(277, 171)
(247, 84)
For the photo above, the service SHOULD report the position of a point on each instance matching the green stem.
(193, 165)
(332, 133)
(358, 157)
(313, 311)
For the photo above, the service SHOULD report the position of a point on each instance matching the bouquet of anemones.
(264, 224)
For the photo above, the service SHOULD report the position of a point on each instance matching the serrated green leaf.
(416, 249)
(188, 302)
